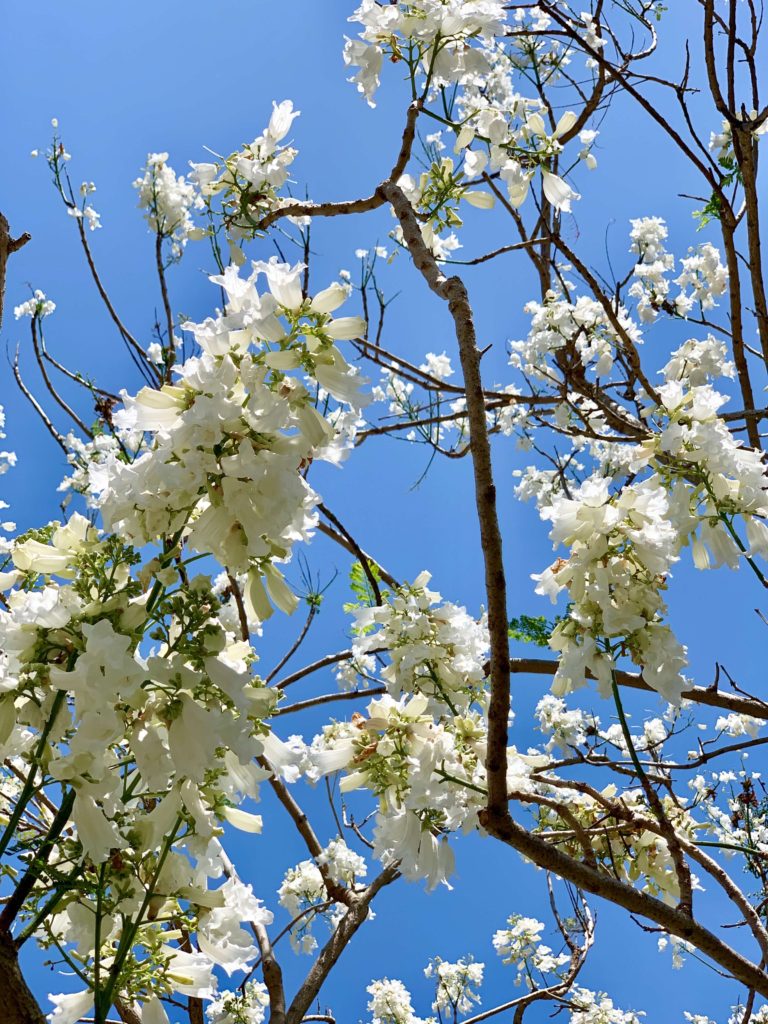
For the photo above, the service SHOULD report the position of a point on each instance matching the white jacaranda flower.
(190, 974)
(284, 282)
(329, 299)
(98, 835)
(168, 200)
(345, 328)
(246, 1006)
(390, 1003)
(153, 1012)
(283, 116)
(68, 1009)
(558, 192)
(454, 984)
(243, 820)
(37, 306)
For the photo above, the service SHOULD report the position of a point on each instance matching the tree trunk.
(18, 1004)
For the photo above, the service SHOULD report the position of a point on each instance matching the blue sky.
(124, 80)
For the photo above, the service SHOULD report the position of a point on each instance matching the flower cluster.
(702, 280)
(623, 844)
(402, 755)
(597, 1008)
(582, 327)
(248, 1006)
(688, 483)
(621, 549)
(455, 982)
(567, 727)
(434, 647)
(228, 441)
(248, 181)
(168, 200)
(437, 31)
(38, 306)
(453, 44)
(151, 752)
(736, 810)
(390, 1003)
(304, 895)
(520, 944)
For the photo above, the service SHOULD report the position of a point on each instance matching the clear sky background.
(128, 79)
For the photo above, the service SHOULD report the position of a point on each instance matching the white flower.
(437, 366)
(190, 974)
(737, 725)
(71, 1007)
(345, 328)
(558, 192)
(284, 281)
(330, 298)
(283, 116)
(243, 820)
(390, 1003)
(153, 1012)
(246, 1007)
(220, 935)
(37, 306)
(454, 984)
(168, 200)
(98, 836)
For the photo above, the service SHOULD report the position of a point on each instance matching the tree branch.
(453, 291)
(8, 246)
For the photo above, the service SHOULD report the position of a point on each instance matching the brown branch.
(372, 202)
(8, 246)
(329, 698)
(315, 666)
(137, 353)
(19, 1005)
(728, 228)
(39, 350)
(295, 645)
(364, 560)
(353, 549)
(541, 853)
(36, 405)
(513, 247)
(748, 166)
(170, 350)
(126, 1013)
(699, 694)
(273, 976)
(453, 291)
(349, 924)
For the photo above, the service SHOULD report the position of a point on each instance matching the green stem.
(33, 872)
(730, 846)
(97, 941)
(736, 538)
(625, 731)
(447, 777)
(29, 785)
(104, 999)
(62, 887)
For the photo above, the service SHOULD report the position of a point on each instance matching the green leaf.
(360, 585)
(531, 629)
